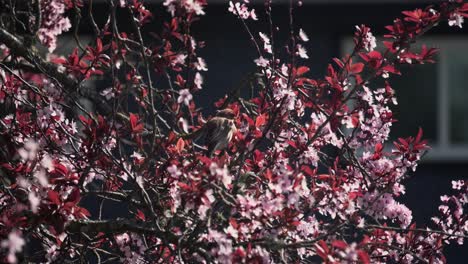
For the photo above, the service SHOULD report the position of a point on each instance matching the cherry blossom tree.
(308, 175)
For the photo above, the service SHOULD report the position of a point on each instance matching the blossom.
(207, 200)
(198, 80)
(190, 6)
(201, 64)
(138, 158)
(242, 11)
(308, 227)
(178, 59)
(456, 20)
(365, 38)
(108, 93)
(174, 171)
(14, 244)
(47, 163)
(309, 156)
(183, 124)
(383, 206)
(266, 42)
(223, 249)
(29, 150)
(184, 97)
(53, 22)
(222, 174)
(303, 36)
(261, 62)
(302, 52)
(34, 200)
(457, 185)
(41, 177)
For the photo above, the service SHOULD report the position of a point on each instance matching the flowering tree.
(308, 174)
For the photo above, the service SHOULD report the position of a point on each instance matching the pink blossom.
(242, 10)
(179, 59)
(190, 6)
(198, 80)
(366, 38)
(303, 36)
(35, 201)
(184, 97)
(29, 150)
(108, 93)
(137, 157)
(266, 42)
(41, 177)
(456, 20)
(302, 52)
(201, 64)
(222, 174)
(457, 185)
(15, 244)
(53, 24)
(174, 171)
(207, 200)
(261, 62)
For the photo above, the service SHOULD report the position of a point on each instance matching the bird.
(218, 131)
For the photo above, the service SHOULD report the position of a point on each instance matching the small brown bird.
(218, 131)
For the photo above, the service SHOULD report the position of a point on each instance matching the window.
(434, 97)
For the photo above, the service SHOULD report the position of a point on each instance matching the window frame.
(442, 150)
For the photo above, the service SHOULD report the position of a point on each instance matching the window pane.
(457, 64)
(416, 91)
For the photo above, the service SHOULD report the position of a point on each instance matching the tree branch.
(68, 83)
(120, 226)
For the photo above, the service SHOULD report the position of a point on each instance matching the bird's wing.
(216, 133)
(214, 129)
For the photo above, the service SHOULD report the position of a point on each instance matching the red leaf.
(85, 121)
(134, 123)
(140, 215)
(184, 186)
(84, 212)
(180, 145)
(302, 70)
(339, 244)
(378, 147)
(60, 169)
(292, 144)
(98, 45)
(248, 119)
(419, 136)
(54, 197)
(356, 68)
(233, 222)
(364, 257)
(261, 120)
(133, 119)
(307, 170)
(323, 177)
(322, 249)
(339, 62)
(74, 196)
(268, 175)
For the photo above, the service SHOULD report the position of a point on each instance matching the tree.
(308, 175)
